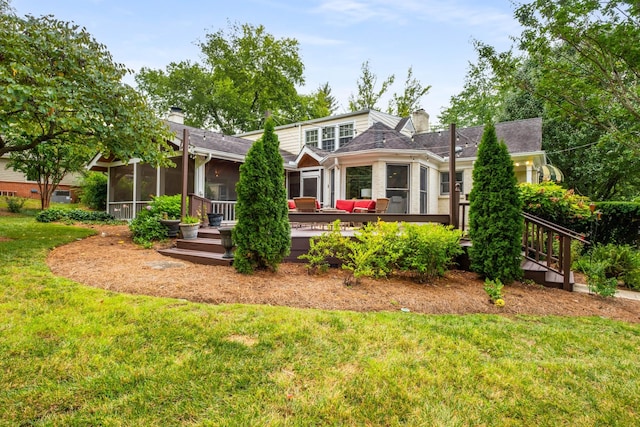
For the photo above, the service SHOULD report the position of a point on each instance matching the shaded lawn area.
(74, 355)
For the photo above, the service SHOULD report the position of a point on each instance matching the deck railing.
(124, 210)
(549, 245)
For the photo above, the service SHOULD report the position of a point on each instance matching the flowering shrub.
(549, 201)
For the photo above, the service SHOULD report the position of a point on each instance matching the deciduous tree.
(61, 87)
(409, 101)
(368, 96)
(245, 72)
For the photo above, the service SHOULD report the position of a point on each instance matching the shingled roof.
(520, 136)
(218, 142)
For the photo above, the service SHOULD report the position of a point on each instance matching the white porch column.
(199, 175)
(529, 173)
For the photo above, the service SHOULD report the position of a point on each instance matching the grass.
(74, 355)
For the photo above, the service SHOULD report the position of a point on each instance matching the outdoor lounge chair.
(306, 204)
(382, 204)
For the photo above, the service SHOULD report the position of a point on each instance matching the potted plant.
(189, 226)
(215, 219)
(172, 224)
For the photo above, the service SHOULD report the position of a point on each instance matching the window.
(444, 182)
(357, 178)
(345, 133)
(311, 137)
(424, 173)
(329, 138)
(398, 188)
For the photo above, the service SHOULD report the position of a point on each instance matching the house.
(15, 183)
(363, 154)
(368, 154)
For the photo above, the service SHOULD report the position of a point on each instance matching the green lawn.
(73, 355)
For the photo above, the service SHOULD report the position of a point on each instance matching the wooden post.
(453, 205)
(185, 172)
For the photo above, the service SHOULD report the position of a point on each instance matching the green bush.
(550, 201)
(15, 204)
(146, 228)
(617, 262)
(619, 223)
(378, 249)
(93, 190)
(262, 233)
(426, 251)
(495, 212)
(169, 205)
(50, 215)
(77, 215)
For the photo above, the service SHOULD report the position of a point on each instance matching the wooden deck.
(207, 247)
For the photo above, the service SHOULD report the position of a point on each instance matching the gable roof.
(378, 136)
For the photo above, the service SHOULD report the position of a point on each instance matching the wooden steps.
(205, 249)
(542, 275)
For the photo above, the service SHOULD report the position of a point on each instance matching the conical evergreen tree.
(262, 234)
(495, 212)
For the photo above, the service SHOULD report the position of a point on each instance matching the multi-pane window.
(345, 133)
(329, 138)
(311, 137)
(444, 182)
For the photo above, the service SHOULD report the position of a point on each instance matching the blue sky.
(336, 36)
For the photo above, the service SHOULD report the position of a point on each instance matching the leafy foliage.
(93, 190)
(550, 201)
(495, 221)
(493, 288)
(403, 105)
(62, 87)
(262, 234)
(378, 249)
(245, 72)
(617, 262)
(146, 227)
(582, 61)
(15, 204)
(48, 163)
(619, 223)
(73, 215)
(367, 96)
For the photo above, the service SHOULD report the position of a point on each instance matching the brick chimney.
(176, 115)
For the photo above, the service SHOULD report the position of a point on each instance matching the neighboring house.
(14, 183)
(364, 154)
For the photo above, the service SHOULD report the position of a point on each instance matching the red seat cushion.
(369, 205)
(345, 205)
(292, 204)
(318, 204)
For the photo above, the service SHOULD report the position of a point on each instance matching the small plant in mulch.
(493, 288)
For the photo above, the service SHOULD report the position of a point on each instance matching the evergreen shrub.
(495, 219)
(262, 234)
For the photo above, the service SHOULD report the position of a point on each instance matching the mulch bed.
(109, 260)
